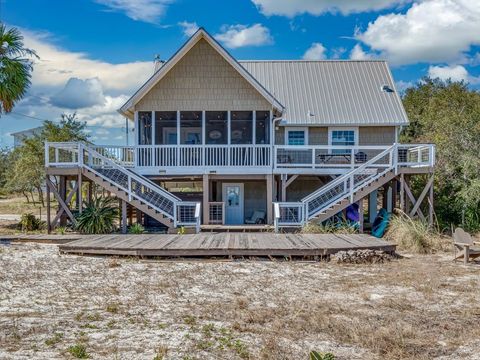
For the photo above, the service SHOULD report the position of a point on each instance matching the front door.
(233, 198)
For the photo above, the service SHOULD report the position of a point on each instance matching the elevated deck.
(224, 244)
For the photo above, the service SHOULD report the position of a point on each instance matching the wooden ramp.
(223, 244)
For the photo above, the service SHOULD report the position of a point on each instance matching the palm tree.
(15, 68)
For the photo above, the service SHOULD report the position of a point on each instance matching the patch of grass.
(415, 236)
(161, 352)
(314, 355)
(341, 227)
(136, 229)
(55, 339)
(113, 308)
(79, 351)
(190, 320)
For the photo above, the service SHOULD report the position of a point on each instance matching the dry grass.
(329, 228)
(15, 204)
(421, 307)
(416, 236)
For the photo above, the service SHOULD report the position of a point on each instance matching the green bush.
(342, 227)
(314, 355)
(79, 351)
(28, 222)
(136, 229)
(98, 217)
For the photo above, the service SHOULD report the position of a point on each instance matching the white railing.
(324, 156)
(203, 156)
(416, 155)
(216, 212)
(341, 188)
(288, 214)
(136, 186)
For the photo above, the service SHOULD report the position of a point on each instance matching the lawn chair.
(463, 242)
(258, 217)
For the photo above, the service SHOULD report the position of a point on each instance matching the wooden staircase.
(357, 195)
(121, 194)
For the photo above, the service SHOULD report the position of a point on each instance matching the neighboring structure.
(279, 142)
(20, 136)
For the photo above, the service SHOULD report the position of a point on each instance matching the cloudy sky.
(95, 53)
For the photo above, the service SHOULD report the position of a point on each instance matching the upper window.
(342, 137)
(296, 137)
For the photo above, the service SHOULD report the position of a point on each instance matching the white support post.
(129, 188)
(154, 155)
(204, 140)
(135, 140)
(229, 135)
(352, 158)
(178, 160)
(254, 137)
(47, 154)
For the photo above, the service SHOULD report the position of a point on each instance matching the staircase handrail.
(145, 182)
(349, 174)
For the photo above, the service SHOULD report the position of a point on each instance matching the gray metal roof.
(335, 92)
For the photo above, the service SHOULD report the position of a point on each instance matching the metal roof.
(343, 92)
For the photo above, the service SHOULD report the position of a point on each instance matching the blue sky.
(95, 53)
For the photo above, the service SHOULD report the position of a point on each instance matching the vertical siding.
(318, 135)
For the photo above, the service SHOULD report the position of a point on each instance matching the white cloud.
(454, 72)
(79, 93)
(430, 31)
(291, 8)
(64, 80)
(404, 85)
(143, 10)
(357, 53)
(236, 36)
(57, 65)
(189, 28)
(315, 52)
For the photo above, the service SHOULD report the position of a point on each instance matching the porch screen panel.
(262, 127)
(165, 128)
(191, 127)
(145, 128)
(241, 127)
(216, 124)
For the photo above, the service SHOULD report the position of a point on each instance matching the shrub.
(314, 355)
(136, 229)
(28, 222)
(79, 351)
(98, 217)
(414, 235)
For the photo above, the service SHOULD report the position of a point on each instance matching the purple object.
(352, 212)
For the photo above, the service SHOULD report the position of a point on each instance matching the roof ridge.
(315, 61)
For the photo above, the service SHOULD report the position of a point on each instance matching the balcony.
(248, 159)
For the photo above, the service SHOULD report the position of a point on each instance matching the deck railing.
(216, 212)
(169, 156)
(80, 155)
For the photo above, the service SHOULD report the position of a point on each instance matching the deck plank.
(225, 244)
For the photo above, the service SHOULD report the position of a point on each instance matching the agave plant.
(98, 217)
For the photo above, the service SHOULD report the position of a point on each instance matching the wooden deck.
(223, 244)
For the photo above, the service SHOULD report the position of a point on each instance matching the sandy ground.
(51, 305)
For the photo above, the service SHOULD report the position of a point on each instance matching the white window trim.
(296, 128)
(341, 128)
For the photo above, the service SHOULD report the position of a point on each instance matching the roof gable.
(127, 108)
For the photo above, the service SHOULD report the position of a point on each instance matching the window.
(165, 127)
(216, 123)
(342, 137)
(262, 127)
(296, 137)
(191, 127)
(241, 127)
(144, 128)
